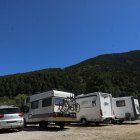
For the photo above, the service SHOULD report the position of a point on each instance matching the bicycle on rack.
(69, 105)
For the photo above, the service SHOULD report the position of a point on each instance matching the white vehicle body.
(126, 108)
(95, 107)
(11, 118)
(44, 108)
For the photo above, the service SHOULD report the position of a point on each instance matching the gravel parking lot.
(126, 131)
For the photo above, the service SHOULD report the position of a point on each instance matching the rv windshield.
(59, 100)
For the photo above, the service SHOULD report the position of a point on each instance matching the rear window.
(59, 100)
(9, 110)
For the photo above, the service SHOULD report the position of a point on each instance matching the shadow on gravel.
(49, 128)
(5, 131)
(88, 125)
(101, 125)
(127, 123)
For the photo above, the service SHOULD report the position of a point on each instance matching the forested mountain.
(117, 74)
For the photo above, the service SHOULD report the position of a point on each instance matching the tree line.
(115, 74)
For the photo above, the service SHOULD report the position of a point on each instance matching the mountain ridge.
(116, 73)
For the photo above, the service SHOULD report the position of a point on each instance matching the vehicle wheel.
(97, 123)
(20, 129)
(62, 125)
(25, 124)
(121, 121)
(114, 121)
(84, 122)
(68, 123)
(43, 125)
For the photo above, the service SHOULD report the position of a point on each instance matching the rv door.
(106, 104)
(137, 107)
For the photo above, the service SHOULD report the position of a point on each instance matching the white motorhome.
(44, 108)
(95, 107)
(126, 108)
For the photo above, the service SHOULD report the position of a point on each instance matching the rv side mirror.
(26, 109)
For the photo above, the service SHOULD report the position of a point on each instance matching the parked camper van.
(126, 108)
(44, 108)
(94, 107)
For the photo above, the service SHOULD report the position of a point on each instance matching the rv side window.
(34, 105)
(120, 103)
(58, 101)
(46, 102)
(94, 101)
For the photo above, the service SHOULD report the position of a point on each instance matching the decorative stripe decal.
(72, 115)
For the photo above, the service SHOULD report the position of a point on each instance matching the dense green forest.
(117, 74)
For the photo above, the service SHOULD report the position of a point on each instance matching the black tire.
(43, 125)
(68, 123)
(114, 121)
(97, 123)
(121, 121)
(84, 122)
(20, 129)
(25, 124)
(62, 125)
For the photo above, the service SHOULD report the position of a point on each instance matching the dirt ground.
(126, 131)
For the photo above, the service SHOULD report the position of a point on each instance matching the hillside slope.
(118, 74)
(114, 73)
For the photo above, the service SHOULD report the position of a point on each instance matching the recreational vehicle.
(95, 107)
(44, 108)
(126, 108)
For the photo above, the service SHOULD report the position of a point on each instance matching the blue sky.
(39, 34)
